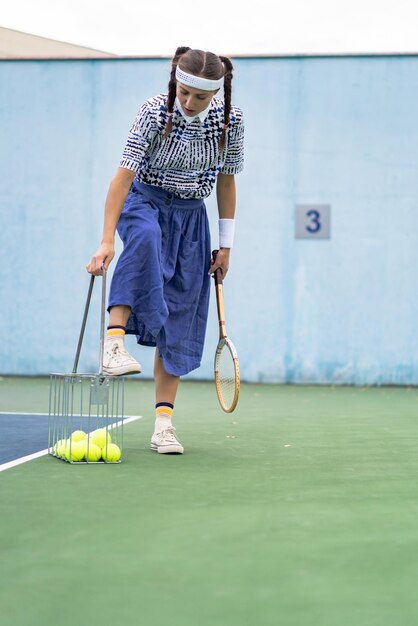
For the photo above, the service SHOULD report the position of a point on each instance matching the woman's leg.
(119, 315)
(164, 439)
(166, 385)
(116, 360)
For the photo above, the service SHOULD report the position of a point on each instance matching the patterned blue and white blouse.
(188, 161)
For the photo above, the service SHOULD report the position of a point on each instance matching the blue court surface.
(22, 434)
(25, 434)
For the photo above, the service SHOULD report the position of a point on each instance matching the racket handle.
(219, 298)
(217, 275)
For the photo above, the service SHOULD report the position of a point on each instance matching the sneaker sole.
(167, 449)
(121, 371)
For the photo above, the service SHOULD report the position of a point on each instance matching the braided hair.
(229, 68)
(172, 87)
(207, 65)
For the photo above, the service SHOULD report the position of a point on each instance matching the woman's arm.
(116, 196)
(226, 198)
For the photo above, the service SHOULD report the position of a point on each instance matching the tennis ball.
(111, 453)
(74, 451)
(82, 445)
(101, 437)
(93, 453)
(59, 448)
(78, 435)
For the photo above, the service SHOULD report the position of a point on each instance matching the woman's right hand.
(101, 259)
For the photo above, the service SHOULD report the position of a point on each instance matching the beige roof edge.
(16, 44)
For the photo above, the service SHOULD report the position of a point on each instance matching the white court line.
(20, 413)
(36, 455)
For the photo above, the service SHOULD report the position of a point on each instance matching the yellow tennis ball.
(111, 453)
(74, 451)
(101, 437)
(78, 435)
(59, 448)
(63, 447)
(93, 452)
(83, 447)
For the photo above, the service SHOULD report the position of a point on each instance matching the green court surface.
(300, 509)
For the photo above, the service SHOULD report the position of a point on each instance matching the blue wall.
(339, 130)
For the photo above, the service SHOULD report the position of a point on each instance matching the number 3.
(315, 217)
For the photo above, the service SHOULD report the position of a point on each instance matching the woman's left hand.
(222, 261)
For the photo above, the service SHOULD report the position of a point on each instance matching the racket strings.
(226, 373)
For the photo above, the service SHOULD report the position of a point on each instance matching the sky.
(142, 27)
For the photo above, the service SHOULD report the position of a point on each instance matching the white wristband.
(226, 233)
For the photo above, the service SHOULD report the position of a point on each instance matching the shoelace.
(118, 353)
(169, 433)
(122, 350)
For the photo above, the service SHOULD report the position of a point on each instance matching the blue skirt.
(162, 274)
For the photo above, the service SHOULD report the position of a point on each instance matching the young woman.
(180, 146)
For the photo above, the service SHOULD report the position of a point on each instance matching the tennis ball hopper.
(83, 405)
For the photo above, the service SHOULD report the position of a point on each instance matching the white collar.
(201, 116)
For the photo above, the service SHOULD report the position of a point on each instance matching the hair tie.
(169, 113)
(226, 126)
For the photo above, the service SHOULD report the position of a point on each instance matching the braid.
(229, 68)
(172, 88)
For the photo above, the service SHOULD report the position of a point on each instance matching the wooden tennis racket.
(226, 366)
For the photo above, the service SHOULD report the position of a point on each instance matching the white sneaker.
(116, 360)
(166, 442)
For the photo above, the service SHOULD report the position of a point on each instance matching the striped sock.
(163, 413)
(114, 332)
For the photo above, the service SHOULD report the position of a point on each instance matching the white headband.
(197, 82)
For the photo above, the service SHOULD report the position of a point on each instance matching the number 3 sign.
(312, 221)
